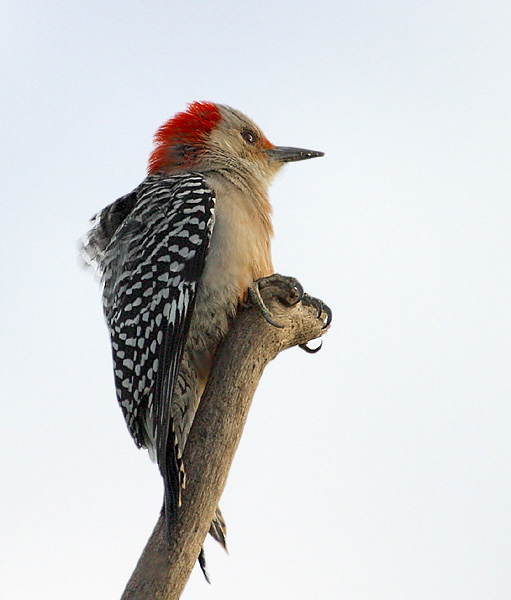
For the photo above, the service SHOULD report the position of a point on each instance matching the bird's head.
(213, 138)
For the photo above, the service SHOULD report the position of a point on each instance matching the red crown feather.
(189, 128)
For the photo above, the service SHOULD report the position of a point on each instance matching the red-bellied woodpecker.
(177, 256)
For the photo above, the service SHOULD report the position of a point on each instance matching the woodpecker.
(177, 256)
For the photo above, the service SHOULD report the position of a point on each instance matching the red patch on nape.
(187, 130)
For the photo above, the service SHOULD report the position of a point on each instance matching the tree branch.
(251, 343)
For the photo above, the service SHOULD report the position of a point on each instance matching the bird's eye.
(248, 136)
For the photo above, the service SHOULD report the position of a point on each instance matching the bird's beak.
(283, 154)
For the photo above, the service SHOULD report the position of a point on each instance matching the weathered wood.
(165, 565)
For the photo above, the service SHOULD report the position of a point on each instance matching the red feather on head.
(187, 129)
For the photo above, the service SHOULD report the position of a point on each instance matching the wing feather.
(151, 270)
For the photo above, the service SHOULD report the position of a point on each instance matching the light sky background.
(377, 469)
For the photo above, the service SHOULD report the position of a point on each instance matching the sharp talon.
(269, 320)
(321, 307)
(311, 301)
(328, 311)
(311, 350)
(256, 298)
(318, 305)
(300, 290)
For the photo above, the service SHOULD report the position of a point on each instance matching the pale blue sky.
(377, 469)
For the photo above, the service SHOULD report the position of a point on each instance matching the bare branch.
(165, 565)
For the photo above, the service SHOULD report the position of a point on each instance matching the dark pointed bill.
(284, 154)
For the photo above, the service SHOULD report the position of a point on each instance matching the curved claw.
(255, 295)
(321, 307)
(300, 290)
(317, 304)
(268, 319)
(311, 350)
(328, 311)
(285, 283)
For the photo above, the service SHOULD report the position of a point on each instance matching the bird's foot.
(289, 291)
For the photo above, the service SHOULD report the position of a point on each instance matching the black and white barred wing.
(151, 270)
(104, 226)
